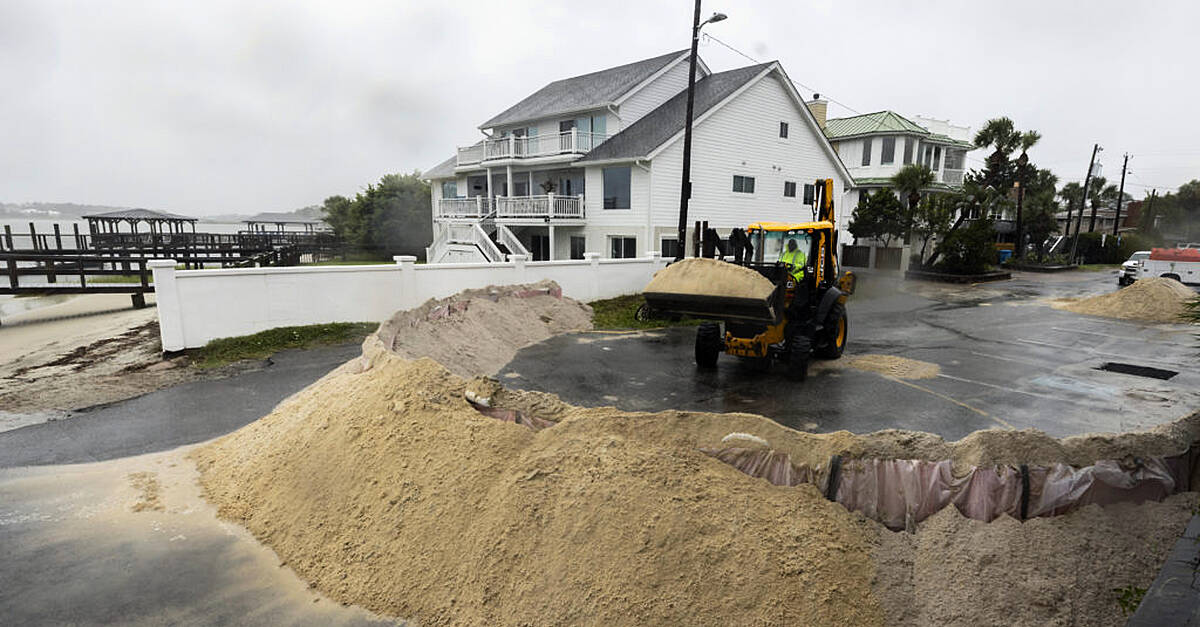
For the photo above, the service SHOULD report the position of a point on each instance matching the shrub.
(968, 250)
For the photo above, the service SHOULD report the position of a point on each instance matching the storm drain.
(1138, 371)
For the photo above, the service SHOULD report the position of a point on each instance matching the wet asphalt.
(1007, 360)
(175, 416)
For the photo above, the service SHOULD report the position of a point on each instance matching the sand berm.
(383, 487)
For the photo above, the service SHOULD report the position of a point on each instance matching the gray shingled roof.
(442, 170)
(582, 92)
(661, 124)
(139, 214)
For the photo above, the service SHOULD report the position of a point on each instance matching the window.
(616, 188)
(539, 247)
(783, 129)
(888, 155)
(908, 150)
(449, 189)
(578, 245)
(866, 156)
(566, 125)
(789, 189)
(772, 246)
(669, 247)
(743, 184)
(624, 247)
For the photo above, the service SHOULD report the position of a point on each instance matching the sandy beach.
(62, 354)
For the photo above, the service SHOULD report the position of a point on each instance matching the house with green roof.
(875, 146)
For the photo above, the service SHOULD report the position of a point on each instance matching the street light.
(685, 191)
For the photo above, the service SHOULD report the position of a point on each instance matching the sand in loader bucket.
(711, 288)
(710, 277)
(1156, 299)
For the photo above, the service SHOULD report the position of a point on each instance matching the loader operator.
(795, 259)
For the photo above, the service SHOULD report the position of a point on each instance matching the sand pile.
(1046, 571)
(1156, 300)
(478, 331)
(697, 275)
(383, 487)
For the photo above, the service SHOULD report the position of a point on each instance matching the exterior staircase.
(483, 241)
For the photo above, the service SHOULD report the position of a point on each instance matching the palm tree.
(909, 182)
(1001, 133)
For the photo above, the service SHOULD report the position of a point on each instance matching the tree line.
(391, 217)
(960, 224)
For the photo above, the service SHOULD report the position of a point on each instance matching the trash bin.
(1004, 255)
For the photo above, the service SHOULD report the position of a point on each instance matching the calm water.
(20, 226)
(11, 305)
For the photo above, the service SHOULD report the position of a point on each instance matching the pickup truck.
(1181, 264)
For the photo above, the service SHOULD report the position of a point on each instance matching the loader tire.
(836, 330)
(708, 345)
(799, 348)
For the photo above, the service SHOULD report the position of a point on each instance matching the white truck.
(1181, 264)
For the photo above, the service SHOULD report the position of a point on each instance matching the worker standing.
(795, 259)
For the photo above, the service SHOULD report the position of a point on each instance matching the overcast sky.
(239, 106)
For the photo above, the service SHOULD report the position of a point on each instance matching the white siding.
(658, 91)
(743, 138)
(603, 223)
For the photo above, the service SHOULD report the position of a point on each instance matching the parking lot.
(1007, 359)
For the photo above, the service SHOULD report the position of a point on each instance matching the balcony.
(951, 177)
(542, 207)
(572, 142)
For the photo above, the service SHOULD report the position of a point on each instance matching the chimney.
(819, 107)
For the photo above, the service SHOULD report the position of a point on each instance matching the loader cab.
(770, 245)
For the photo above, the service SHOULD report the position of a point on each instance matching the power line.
(794, 82)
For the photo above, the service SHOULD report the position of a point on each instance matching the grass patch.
(619, 313)
(1099, 267)
(263, 344)
(352, 262)
(120, 278)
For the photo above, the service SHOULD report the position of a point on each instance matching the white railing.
(566, 206)
(952, 177)
(511, 147)
(510, 241)
(486, 244)
(545, 206)
(474, 207)
(470, 154)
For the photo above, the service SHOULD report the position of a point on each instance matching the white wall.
(196, 306)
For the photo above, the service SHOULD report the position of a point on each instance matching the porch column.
(508, 172)
(550, 257)
(489, 183)
(531, 183)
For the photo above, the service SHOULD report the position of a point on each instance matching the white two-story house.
(875, 146)
(594, 163)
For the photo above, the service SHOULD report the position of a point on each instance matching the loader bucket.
(707, 288)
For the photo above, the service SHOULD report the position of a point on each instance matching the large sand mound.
(383, 487)
(1155, 300)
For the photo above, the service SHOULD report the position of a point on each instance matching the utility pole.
(685, 191)
(1022, 165)
(1149, 215)
(1087, 180)
(1120, 195)
(1020, 250)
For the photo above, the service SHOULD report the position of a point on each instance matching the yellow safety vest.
(795, 260)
